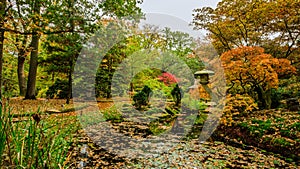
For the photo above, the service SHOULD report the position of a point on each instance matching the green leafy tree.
(3, 17)
(2, 14)
(178, 43)
(182, 45)
(107, 69)
(62, 51)
(35, 19)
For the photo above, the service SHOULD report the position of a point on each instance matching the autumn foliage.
(237, 105)
(249, 70)
(167, 78)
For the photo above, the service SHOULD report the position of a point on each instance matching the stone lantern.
(203, 76)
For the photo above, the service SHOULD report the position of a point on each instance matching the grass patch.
(27, 114)
(112, 114)
(91, 118)
(35, 143)
(156, 128)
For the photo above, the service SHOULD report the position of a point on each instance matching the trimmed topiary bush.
(142, 98)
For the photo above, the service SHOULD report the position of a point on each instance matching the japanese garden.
(84, 84)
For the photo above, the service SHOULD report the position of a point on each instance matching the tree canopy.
(249, 70)
(273, 25)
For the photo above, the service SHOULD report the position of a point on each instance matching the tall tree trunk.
(267, 99)
(22, 50)
(1, 59)
(110, 75)
(2, 15)
(21, 75)
(30, 93)
(264, 98)
(70, 81)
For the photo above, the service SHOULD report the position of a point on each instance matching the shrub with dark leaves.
(142, 98)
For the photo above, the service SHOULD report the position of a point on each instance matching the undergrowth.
(35, 143)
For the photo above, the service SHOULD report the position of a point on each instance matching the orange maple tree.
(249, 70)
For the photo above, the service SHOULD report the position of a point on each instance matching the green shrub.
(200, 120)
(177, 94)
(282, 142)
(59, 89)
(142, 98)
(289, 87)
(156, 128)
(276, 97)
(193, 104)
(112, 114)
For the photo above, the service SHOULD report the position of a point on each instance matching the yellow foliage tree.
(237, 105)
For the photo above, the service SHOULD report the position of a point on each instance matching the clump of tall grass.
(36, 142)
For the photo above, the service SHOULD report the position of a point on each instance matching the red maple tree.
(167, 78)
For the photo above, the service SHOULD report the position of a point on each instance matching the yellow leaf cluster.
(237, 105)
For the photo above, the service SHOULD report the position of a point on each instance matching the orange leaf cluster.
(250, 66)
